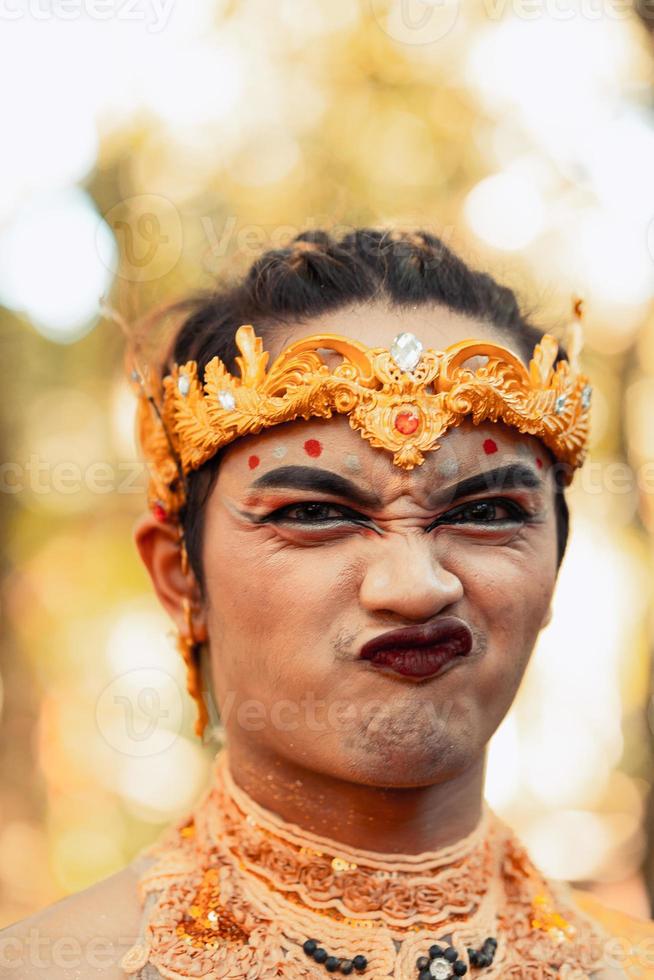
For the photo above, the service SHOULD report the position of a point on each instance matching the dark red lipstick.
(420, 651)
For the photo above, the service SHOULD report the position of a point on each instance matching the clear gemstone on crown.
(227, 400)
(559, 404)
(586, 394)
(184, 384)
(406, 351)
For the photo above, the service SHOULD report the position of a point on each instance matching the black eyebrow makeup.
(510, 477)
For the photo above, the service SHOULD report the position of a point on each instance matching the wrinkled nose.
(406, 578)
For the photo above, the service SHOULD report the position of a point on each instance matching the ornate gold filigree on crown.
(401, 400)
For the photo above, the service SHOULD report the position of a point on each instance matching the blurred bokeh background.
(152, 146)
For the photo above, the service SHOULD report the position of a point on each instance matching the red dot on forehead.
(253, 462)
(539, 463)
(490, 446)
(312, 447)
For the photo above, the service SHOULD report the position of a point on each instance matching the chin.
(402, 756)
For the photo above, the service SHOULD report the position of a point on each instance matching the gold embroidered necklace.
(235, 891)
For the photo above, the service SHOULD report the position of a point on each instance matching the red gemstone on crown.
(406, 422)
(159, 511)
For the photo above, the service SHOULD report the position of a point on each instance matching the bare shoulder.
(82, 936)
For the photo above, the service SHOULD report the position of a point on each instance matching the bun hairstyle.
(317, 273)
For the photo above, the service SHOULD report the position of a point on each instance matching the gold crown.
(401, 399)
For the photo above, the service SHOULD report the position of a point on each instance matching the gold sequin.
(338, 864)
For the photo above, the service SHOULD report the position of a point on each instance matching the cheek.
(509, 592)
(270, 601)
(507, 596)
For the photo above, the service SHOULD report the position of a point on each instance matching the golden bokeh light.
(196, 140)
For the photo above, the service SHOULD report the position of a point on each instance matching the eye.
(313, 512)
(496, 511)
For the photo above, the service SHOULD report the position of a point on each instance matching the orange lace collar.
(234, 891)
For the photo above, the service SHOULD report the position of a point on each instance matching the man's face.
(315, 543)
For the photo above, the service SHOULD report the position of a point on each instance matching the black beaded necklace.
(333, 964)
(444, 962)
(441, 963)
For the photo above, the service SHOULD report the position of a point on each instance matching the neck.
(385, 819)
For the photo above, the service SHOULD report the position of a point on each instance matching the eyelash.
(516, 513)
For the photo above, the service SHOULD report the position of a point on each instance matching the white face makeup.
(352, 463)
(447, 468)
(534, 452)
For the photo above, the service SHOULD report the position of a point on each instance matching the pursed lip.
(420, 650)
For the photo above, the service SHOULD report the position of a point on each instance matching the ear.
(159, 545)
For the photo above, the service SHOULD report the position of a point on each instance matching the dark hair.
(316, 273)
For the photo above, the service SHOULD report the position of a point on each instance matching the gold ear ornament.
(189, 648)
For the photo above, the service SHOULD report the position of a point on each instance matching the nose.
(407, 578)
